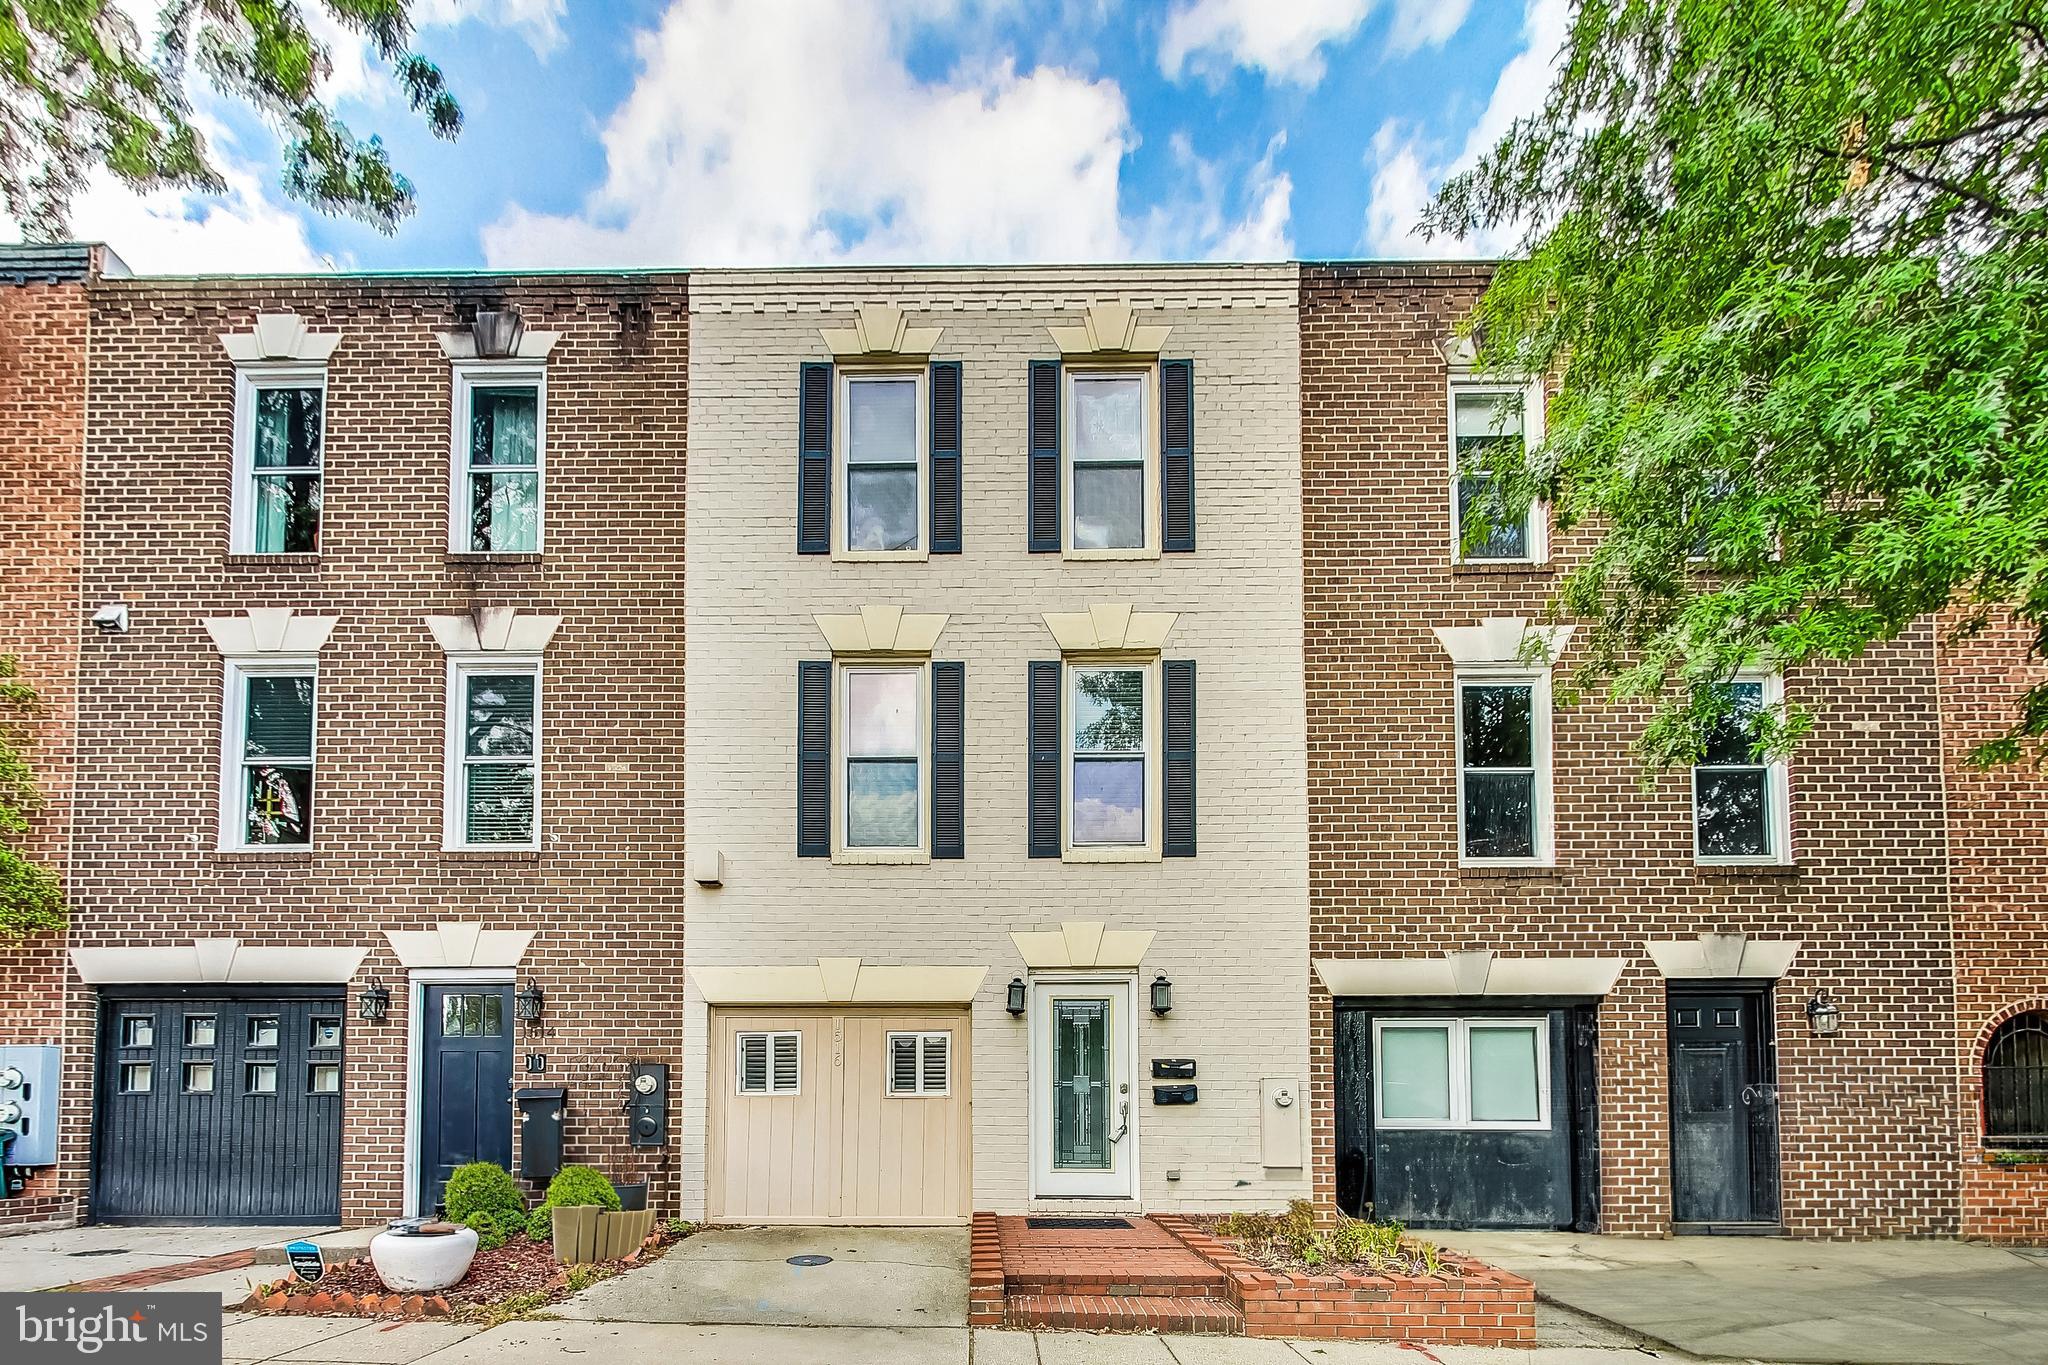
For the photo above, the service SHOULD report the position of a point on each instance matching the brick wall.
(1867, 1132)
(42, 430)
(602, 893)
(1997, 827)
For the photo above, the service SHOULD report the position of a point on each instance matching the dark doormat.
(1077, 1222)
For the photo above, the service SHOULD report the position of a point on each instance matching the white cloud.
(781, 133)
(168, 232)
(1285, 38)
(1407, 167)
(539, 22)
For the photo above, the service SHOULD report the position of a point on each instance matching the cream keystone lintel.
(839, 981)
(453, 944)
(1502, 640)
(1474, 971)
(533, 345)
(881, 630)
(880, 330)
(223, 961)
(1111, 329)
(269, 630)
(1715, 956)
(279, 336)
(1110, 627)
(1081, 944)
(494, 630)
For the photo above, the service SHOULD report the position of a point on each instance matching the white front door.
(1084, 1138)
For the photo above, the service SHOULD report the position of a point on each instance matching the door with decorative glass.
(1084, 1114)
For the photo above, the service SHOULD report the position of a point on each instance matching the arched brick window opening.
(2016, 1083)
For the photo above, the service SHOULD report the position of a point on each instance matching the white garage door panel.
(842, 1149)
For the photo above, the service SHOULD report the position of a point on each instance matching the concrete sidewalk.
(1812, 1303)
(44, 1260)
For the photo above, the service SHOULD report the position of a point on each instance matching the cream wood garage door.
(839, 1116)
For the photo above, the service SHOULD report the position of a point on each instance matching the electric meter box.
(28, 1083)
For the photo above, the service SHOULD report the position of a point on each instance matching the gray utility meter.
(28, 1105)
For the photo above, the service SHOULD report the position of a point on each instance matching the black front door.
(465, 1103)
(1724, 1110)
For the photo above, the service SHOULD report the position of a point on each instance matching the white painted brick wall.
(1232, 922)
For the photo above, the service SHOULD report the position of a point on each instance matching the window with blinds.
(768, 1063)
(267, 776)
(494, 756)
(920, 1063)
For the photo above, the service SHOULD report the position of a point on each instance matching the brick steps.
(1124, 1313)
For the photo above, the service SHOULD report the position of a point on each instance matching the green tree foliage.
(1788, 262)
(77, 91)
(30, 899)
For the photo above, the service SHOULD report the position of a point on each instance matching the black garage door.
(219, 1108)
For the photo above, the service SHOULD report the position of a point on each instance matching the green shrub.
(492, 1230)
(581, 1185)
(540, 1224)
(483, 1187)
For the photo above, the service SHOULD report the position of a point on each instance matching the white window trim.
(470, 375)
(1460, 1061)
(1148, 445)
(235, 673)
(453, 822)
(242, 503)
(1539, 755)
(1777, 793)
(920, 1091)
(842, 852)
(1154, 755)
(1532, 397)
(844, 378)
(739, 1064)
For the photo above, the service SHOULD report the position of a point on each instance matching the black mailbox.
(1173, 1094)
(1173, 1068)
(541, 1112)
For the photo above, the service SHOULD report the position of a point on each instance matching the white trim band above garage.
(839, 981)
(1082, 944)
(1473, 972)
(1715, 956)
(458, 945)
(215, 961)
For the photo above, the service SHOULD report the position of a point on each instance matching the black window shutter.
(1043, 795)
(1179, 840)
(949, 770)
(814, 460)
(814, 758)
(1042, 514)
(1177, 455)
(945, 471)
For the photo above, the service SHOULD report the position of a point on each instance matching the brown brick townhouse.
(357, 606)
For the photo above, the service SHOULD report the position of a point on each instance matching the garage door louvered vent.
(767, 1063)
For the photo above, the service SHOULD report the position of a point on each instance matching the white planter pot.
(414, 1265)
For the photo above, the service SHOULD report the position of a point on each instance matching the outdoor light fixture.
(1016, 1002)
(1162, 994)
(528, 1004)
(374, 1003)
(497, 333)
(1824, 1014)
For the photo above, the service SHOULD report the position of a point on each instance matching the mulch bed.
(520, 1269)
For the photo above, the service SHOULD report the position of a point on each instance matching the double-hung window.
(1477, 1073)
(1489, 425)
(768, 1063)
(267, 755)
(1739, 800)
(280, 419)
(884, 774)
(500, 440)
(494, 747)
(1504, 768)
(1111, 448)
(1111, 769)
(882, 466)
(920, 1063)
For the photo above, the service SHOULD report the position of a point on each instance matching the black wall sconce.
(374, 1004)
(1016, 999)
(1162, 994)
(529, 1004)
(1824, 1014)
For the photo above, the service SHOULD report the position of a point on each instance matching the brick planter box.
(1470, 1304)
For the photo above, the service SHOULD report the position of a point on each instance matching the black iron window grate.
(2016, 1083)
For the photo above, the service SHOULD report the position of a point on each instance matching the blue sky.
(770, 132)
